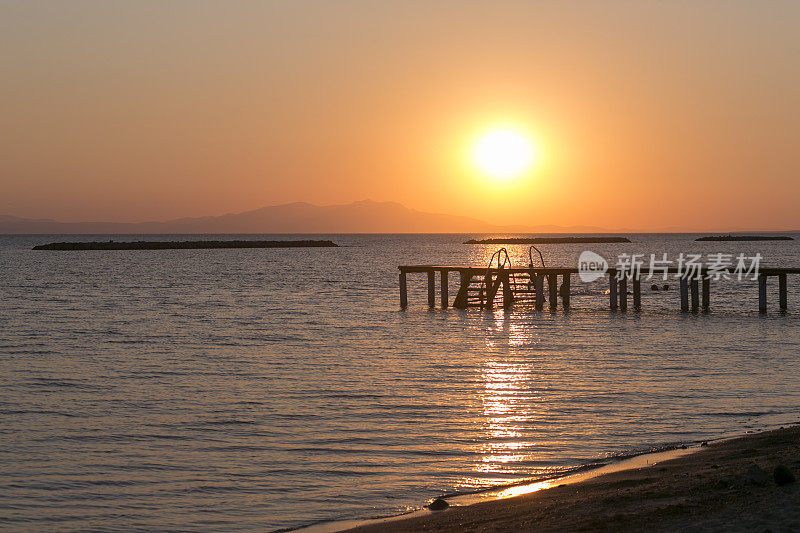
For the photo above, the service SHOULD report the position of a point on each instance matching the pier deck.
(486, 287)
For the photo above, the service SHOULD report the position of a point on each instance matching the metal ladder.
(503, 261)
(521, 284)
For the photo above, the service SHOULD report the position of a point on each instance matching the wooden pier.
(489, 287)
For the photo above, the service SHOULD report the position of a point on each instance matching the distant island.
(547, 240)
(296, 218)
(746, 238)
(182, 245)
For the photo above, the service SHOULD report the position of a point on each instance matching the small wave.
(739, 413)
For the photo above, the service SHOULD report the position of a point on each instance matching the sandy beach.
(725, 486)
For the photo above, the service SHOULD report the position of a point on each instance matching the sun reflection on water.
(506, 407)
(507, 401)
(523, 489)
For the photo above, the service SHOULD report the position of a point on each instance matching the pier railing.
(481, 286)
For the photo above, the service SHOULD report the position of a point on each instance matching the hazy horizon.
(365, 222)
(642, 115)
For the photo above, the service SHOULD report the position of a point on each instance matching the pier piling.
(782, 292)
(623, 293)
(706, 293)
(403, 291)
(695, 287)
(445, 289)
(431, 288)
(508, 294)
(684, 290)
(491, 290)
(552, 286)
(612, 290)
(539, 286)
(762, 293)
(565, 292)
(637, 293)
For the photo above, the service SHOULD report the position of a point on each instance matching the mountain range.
(299, 217)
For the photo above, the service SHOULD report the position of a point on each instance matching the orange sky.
(647, 114)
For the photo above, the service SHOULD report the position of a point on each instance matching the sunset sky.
(641, 115)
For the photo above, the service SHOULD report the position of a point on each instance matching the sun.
(504, 154)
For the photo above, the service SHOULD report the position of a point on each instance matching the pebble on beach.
(439, 504)
(782, 475)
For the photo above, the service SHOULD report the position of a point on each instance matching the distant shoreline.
(547, 240)
(725, 238)
(181, 245)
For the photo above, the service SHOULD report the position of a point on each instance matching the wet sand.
(726, 486)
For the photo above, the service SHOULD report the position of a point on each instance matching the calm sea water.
(224, 390)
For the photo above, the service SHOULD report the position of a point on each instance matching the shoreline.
(727, 484)
(572, 476)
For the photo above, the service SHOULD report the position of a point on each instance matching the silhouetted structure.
(746, 238)
(547, 240)
(486, 287)
(182, 245)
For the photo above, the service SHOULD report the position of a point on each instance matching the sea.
(271, 389)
